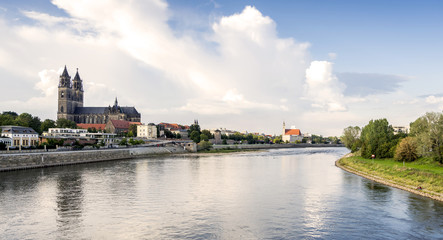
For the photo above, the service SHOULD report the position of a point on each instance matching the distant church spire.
(77, 82)
(65, 79)
(116, 102)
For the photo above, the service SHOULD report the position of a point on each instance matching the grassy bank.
(424, 172)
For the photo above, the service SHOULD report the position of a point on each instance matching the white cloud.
(323, 88)
(238, 66)
(434, 100)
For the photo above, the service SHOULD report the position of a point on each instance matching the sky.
(317, 65)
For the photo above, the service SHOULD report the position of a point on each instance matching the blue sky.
(243, 65)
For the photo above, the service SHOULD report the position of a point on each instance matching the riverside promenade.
(17, 161)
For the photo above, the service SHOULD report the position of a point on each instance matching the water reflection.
(69, 203)
(281, 194)
(377, 192)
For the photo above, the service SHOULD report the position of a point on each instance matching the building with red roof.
(119, 126)
(291, 135)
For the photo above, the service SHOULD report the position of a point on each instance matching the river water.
(278, 194)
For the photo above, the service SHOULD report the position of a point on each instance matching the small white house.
(147, 131)
(20, 136)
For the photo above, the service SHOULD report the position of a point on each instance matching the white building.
(107, 138)
(20, 136)
(291, 135)
(147, 131)
(400, 129)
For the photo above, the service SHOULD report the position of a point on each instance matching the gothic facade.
(70, 104)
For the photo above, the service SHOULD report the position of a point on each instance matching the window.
(62, 94)
(61, 109)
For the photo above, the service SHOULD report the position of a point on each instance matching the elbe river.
(276, 194)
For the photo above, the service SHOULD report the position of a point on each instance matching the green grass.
(424, 172)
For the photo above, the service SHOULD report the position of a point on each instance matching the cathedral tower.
(77, 90)
(65, 94)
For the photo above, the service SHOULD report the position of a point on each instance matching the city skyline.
(241, 65)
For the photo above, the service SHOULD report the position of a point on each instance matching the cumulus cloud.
(323, 88)
(238, 65)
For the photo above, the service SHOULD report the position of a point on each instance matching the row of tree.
(34, 122)
(425, 139)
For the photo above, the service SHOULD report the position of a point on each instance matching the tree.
(351, 138)
(207, 133)
(47, 124)
(204, 137)
(133, 130)
(179, 136)
(195, 136)
(36, 124)
(24, 120)
(377, 139)
(428, 131)
(194, 127)
(65, 123)
(406, 150)
(124, 141)
(7, 119)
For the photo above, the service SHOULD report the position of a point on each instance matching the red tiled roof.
(122, 124)
(172, 126)
(292, 132)
(91, 125)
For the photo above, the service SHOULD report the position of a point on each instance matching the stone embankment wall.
(272, 146)
(36, 160)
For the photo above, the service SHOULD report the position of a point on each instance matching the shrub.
(406, 150)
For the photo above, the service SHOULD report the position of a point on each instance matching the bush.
(406, 150)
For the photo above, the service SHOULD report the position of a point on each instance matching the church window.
(62, 95)
(61, 109)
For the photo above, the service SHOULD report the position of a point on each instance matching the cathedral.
(70, 104)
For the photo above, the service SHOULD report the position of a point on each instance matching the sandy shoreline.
(412, 189)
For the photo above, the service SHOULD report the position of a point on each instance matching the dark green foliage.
(2, 146)
(48, 123)
(65, 123)
(377, 138)
(195, 136)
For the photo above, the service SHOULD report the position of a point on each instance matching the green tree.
(205, 145)
(195, 136)
(123, 142)
(207, 133)
(179, 136)
(377, 139)
(406, 150)
(65, 123)
(47, 124)
(133, 130)
(194, 127)
(428, 131)
(204, 137)
(36, 124)
(351, 138)
(24, 120)
(6, 118)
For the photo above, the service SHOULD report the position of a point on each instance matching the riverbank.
(388, 177)
(19, 161)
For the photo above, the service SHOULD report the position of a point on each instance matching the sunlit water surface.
(279, 194)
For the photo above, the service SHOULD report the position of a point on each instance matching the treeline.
(425, 139)
(34, 122)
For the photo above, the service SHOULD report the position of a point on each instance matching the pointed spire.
(65, 72)
(116, 102)
(77, 77)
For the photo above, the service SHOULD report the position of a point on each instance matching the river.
(276, 194)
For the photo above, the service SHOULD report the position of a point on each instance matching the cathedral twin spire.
(65, 80)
